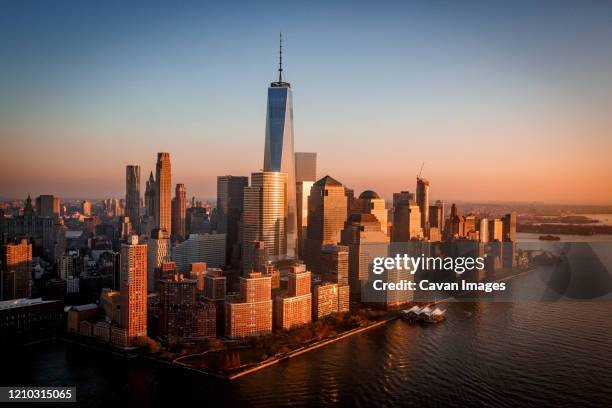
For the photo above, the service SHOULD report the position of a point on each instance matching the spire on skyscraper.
(280, 57)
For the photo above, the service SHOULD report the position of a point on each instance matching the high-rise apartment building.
(326, 217)
(265, 216)
(215, 286)
(16, 270)
(230, 205)
(279, 154)
(329, 298)
(250, 313)
(179, 208)
(132, 196)
(134, 288)
(163, 215)
(295, 307)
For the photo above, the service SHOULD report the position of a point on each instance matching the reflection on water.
(518, 353)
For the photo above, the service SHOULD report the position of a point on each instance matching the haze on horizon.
(503, 102)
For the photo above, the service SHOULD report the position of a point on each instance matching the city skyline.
(499, 110)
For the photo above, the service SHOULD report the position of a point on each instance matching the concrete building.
(294, 308)
(48, 206)
(250, 313)
(329, 298)
(371, 203)
(496, 230)
(215, 286)
(406, 222)
(335, 264)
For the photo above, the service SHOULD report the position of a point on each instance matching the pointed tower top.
(280, 83)
(280, 57)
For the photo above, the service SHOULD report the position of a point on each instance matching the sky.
(503, 101)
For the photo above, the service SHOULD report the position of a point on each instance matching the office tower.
(329, 298)
(47, 206)
(422, 198)
(495, 230)
(132, 195)
(278, 153)
(67, 266)
(209, 248)
(258, 256)
(406, 222)
(230, 204)
(86, 208)
(163, 183)
(403, 196)
(179, 208)
(302, 191)
(197, 221)
(509, 227)
(112, 208)
(350, 199)
(469, 226)
(436, 215)
(215, 287)
(365, 240)
(150, 195)
(125, 227)
(483, 230)
(134, 288)
(59, 241)
(158, 250)
(371, 203)
(250, 313)
(265, 216)
(442, 206)
(326, 217)
(335, 264)
(455, 228)
(16, 270)
(294, 308)
(305, 166)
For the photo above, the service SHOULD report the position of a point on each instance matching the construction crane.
(421, 170)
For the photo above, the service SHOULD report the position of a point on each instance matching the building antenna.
(421, 170)
(280, 59)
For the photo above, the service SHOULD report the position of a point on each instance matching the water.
(535, 237)
(504, 354)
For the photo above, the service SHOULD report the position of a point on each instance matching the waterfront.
(493, 353)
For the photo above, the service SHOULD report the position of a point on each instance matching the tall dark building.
(179, 208)
(509, 227)
(132, 196)
(230, 204)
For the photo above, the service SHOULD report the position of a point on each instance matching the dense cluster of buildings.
(272, 254)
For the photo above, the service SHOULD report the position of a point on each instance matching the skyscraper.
(509, 227)
(132, 195)
(47, 206)
(158, 250)
(265, 216)
(179, 208)
(230, 204)
(163, 216)
(371, 203)
(134, 288)
(278, 153)
(326, 216)
(86, 208)
(305, 166)
(250, 313)
(422, 198)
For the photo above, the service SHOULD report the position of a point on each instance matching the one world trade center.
(279, 154)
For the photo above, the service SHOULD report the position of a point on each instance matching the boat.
(549, 238)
